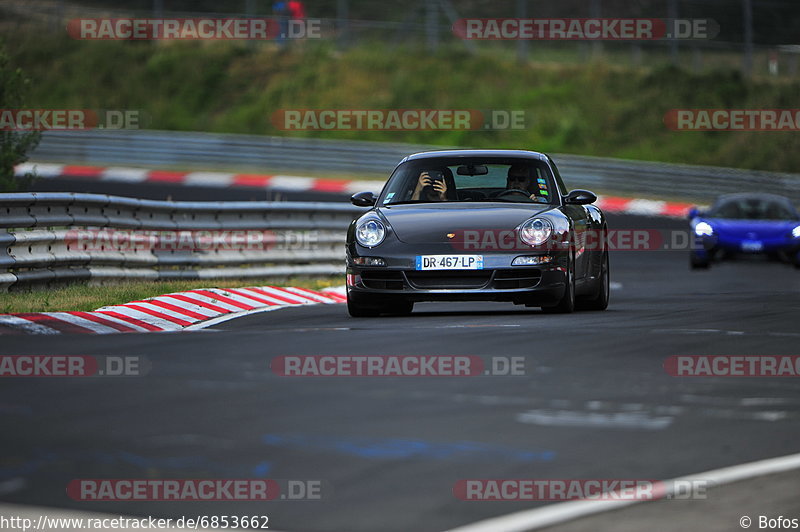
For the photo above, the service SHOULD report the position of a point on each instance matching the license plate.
(449, 262)
(752, 245)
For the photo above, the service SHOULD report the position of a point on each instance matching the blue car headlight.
(796, 232)
(703, 229)
(370, 232)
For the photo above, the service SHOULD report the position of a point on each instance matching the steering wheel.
(514, 191)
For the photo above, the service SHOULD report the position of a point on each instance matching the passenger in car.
(430, 189)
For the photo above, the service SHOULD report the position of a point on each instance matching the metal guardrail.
(208, 150)
(51, 237)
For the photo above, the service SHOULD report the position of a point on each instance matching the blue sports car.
(745, 224)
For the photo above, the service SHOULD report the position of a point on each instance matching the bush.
(14, 145)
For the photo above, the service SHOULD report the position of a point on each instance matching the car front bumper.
(499, 281)
(713, 245)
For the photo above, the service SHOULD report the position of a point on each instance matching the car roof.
(524, 154)
(754, 196)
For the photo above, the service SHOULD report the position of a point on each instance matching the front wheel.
(698, 263)
(600, 300)
(358, 309)
(567, 303)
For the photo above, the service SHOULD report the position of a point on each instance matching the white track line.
(568, 511)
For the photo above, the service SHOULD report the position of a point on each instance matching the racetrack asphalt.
(595, 401)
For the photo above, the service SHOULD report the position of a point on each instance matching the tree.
(14, 145)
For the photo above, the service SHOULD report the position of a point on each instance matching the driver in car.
(519, 179)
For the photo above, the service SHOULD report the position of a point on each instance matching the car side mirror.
(363, 199)
(580, 197)
(693, 212)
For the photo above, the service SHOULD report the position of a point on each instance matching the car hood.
(752, 229)
(428, 223)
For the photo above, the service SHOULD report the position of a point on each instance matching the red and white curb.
(203, 179)
(644, 207)
(613, 204)
(193, 309)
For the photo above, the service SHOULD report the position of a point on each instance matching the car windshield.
(753, 209)
(428, 180)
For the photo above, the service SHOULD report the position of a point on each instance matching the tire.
(359, 310)
(698, 263)
(600, 300)
(567, 303)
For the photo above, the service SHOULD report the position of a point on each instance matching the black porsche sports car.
(495, 225)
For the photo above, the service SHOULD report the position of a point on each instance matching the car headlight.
(796, 232)
(535, 231)
(703, 229)
(370, 232)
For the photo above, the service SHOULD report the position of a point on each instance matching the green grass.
(594, 108)
(82, 297)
